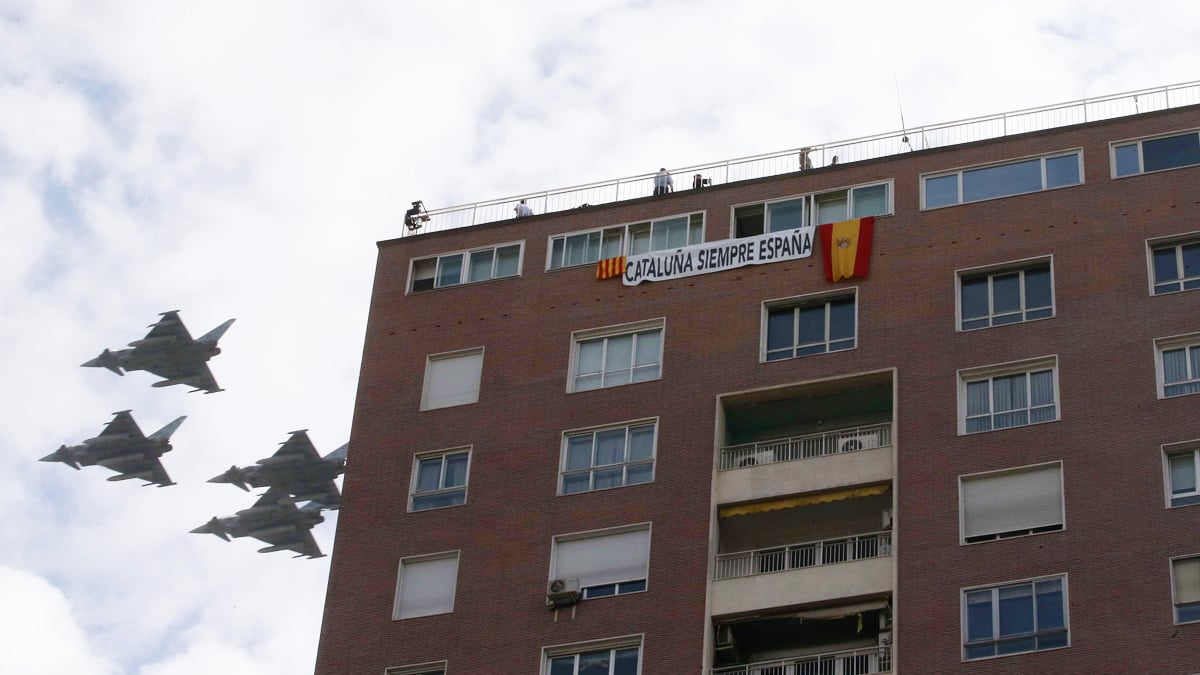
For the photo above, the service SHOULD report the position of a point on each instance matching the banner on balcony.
(792, 502)
(716, 256)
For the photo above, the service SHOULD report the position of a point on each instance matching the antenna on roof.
(900, 105)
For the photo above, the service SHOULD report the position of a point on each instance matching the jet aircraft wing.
(299, 540)
(149, 470)
(295, 450)
(121, 426)
(169, 326)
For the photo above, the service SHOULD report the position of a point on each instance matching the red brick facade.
(1118, 535)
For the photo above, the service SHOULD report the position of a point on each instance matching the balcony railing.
(805, 447)
(796, 556)
(852, 662)
(820, 155)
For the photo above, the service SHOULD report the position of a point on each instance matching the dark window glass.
(450, 270)
(812, 324)
(975, 301)
(626, 662)
(1062, 171)
(1127, 159)
(779, 329)
(1006, 293)
(1191, 261)
(1037, 288)
(941, 191)
(749, 220)
(1171, 152)
(841, 323)
(999, 181)
(564, 665)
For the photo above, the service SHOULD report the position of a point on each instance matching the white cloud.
(39, 634)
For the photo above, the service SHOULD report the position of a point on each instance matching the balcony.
(850, 662)
(796, 448)
(810, 554)
(832, 639)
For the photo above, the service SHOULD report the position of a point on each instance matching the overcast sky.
(241, 159)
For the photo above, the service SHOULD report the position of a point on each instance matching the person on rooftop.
(522, 209)
(663, 183)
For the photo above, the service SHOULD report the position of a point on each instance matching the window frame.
(806, 301)
(604, 333)
(1187, 342)
(442, 356)
(1175, 592)
(429, 668)
(625, 237)
(995, 588)
(628, 427)
(1137, 142)
(426, 557)
(622, 642)
(1177, 242)
(464, 272)
(1181, 449)
(414, 493)
(810, 204)
(1012, 534)
(644, 582)
(999, 269)
(960, 171)
(967, 376)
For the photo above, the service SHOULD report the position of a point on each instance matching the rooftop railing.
(822, 155)
(804, 447)
(850, 662)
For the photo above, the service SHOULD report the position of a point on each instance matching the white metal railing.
(850, 662)
(825, 154)
(808, 554)
(804, 447)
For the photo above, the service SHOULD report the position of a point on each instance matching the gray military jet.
(169, 352)
(274, 519)
(295, 468)
(122, 448)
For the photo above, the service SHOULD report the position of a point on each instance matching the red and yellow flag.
(847, 247)
(612, 267)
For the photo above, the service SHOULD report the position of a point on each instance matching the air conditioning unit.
(862, 441)
(887, 519)
(885, 638)
(563, 592)
(758, 458)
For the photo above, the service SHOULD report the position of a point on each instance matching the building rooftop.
(817, 156)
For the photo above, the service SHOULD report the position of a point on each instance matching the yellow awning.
(791, 502)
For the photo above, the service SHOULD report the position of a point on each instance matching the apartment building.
(975, 451)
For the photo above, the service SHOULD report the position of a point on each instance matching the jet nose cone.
(52, 457)
(223, 478)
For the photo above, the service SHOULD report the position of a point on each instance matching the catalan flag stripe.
(611, 267)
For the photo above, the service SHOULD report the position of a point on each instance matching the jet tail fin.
(340, 453)
(215, 334)
(165, 432)
(107, 359)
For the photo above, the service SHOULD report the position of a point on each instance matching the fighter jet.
(274, 519)
(122, 448)
(169, 352)
(295, 468)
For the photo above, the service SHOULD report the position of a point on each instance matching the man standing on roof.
(663, 183)
(522, 209)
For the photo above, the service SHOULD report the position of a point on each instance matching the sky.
(241, 160)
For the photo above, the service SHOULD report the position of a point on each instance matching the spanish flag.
(612, 267)
(847, 247)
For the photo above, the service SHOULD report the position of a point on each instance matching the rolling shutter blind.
(426, 587)
(1012, 502)
(1187, 581)
(452, 380)
(596, 561)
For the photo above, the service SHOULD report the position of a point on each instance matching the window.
(607, 562)
(1002, 180)
(1185, 586)
(452, 379)
(812, 209)
(614, 356)
(1015, 618)
(440, 480)
(1156, 154)
(582, 248)
(1175, 265)
(1000, 296)
(621, 656)
(608, 458)
(1178, 365)
(1183, 473)
(1012, 395)
(809, 325)
(426, 585)
(434, 668)
(1011, 503)
(465, 267)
